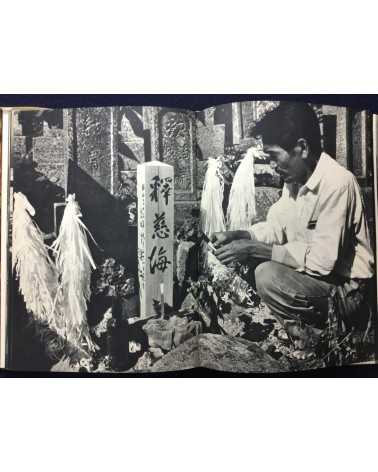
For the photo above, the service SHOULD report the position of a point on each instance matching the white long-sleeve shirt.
(323, 229)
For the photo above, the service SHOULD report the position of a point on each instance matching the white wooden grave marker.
(155, 190)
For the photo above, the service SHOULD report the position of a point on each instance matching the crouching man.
(315, 240)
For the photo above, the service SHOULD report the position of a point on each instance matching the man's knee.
(266, 275)
(272, 289)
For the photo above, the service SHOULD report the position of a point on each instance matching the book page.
(123, 267)
(104, 240)
(287, 201)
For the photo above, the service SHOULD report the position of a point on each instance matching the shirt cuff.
(258, 232)
(290, 254)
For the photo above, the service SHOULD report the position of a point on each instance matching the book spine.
(5, 192)
(375, 173)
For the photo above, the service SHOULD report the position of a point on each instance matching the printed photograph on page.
(239, 238)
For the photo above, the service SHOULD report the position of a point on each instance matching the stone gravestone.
(361, 143)
(246, 114)
(92, 174)
(342, 144)
(49, 154)
(155, 187)
(19, 148)
(131, 152)
(131, 140)
(210, 140)
(176, 146)
(210, 137)
(96, 148)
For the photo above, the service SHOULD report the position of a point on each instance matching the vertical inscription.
(177, 148)
(95, 145)
(155, 187)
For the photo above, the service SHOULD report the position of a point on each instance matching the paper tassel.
(212, 216)
(241, 209)
(74, 263)
(38, 278)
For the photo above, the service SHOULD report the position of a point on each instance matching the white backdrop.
(188, 424)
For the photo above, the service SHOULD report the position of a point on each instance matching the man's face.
(290, 166)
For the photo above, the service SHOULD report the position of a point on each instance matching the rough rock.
(189, 303)
(184, 329)
(230, 354)
(160, 333)
(232, 326)
(166, 334)
(183, 357)
(65, 365)
(144, 363)
(156, 352)
(218, 352)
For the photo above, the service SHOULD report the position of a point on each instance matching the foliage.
(190, 230)
(112, 278)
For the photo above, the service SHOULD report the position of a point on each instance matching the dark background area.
(190, 101)
(194, 102)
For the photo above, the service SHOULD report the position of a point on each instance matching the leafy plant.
(112, 278)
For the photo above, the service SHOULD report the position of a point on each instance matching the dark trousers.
(295, 296)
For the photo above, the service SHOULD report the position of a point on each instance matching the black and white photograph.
(238, 238)
(189, 235)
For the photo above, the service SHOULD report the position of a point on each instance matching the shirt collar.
(318, 173)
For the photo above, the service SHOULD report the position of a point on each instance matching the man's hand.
(236, 251)
(243, 251)
(225, 237)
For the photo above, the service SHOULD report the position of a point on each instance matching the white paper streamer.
(36, 272)
(212, 216)
(75, 264)
(241, 209)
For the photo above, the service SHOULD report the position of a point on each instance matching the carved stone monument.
(95, 149)
(155, 187)
(342, 144)
(210, 137)
(177, 148)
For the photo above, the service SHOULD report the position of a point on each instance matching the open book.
(145, 239)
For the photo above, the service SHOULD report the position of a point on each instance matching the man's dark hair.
(289, 122)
